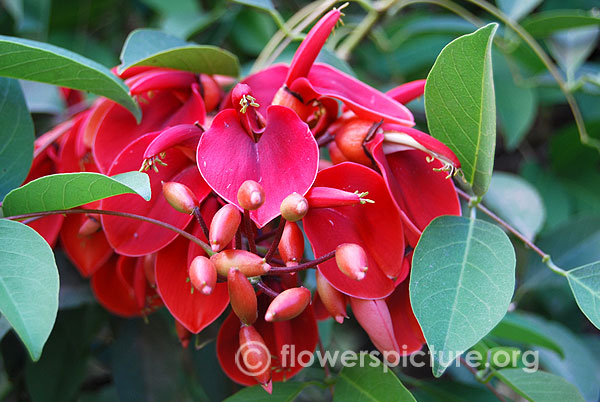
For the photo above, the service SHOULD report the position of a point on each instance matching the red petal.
(112, 292)
(48, 227)
(406, 328)
(181, 134)
(407, 92)
(160, 79)
(376, 227)
(135, 238)
(374, 316)
(283, 161)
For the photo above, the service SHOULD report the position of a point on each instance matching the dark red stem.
(267, 290)
(200, 221)
(276, 240)
(249, 231)
(301, 267)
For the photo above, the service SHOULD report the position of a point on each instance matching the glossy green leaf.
(585, 284)
(539, 386)
(69, 190)
(35, 61)
(548, 22)
(517, 202)
(460, 104)
(517, 9)
(148, 47)
(28, 284)
(461, 284)
(282, 392)
(16, 136)
(372, 382)
(515, 328)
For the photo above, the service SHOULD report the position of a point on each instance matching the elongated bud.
(352, 260)
(349, 138)
(255, 356)
(248, 263)
(288, 304)
(407, 92)
(333, 300)
(203, 274)
(183, 334)
(329, 197)
(90, 226)
(182, 134)
(180, 197)
(211, 92)
(293, 207)
(223, 227)
(251, 195)
(149, 269)
(242, 296)
(291, 245)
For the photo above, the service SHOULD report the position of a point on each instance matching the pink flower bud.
(251, 195)
(333, 300)
(352, 260)
(288, 304)
(294, 207)
(211, 92)
(223, 227)
(349, 138)
(291, 245)
(336, 154)
(242, 296)
(248, 263)
(180, 197)
(90, 226)
(203, 274)
(329, 197)
(255, 356)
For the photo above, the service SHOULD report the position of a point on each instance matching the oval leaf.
(539, 385)
(585, 285)
(148, 47)
(516, 201)
(282, 392)
(69, 190)
(16, 136)
(544, 24)
(28, 284)
(460, 104)
(35, 61)
(371, 382)
(461, 284)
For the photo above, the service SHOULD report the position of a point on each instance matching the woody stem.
(276, 240)
(268, 291)
(200, 220)
(301, 267)
(249, 231)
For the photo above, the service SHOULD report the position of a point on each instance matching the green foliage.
(539, 386)
(585, 284)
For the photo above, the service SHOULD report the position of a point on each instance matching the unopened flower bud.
(333, 300)
(223, 227)
(183, 334)
(352, 260)
(242, 296)
(294, 207)
(288, 304)
(248, 263)
(90, 226)
(335, 154)
(180, 197)
(149, 269)
(256, 356)
(291, 245)
(203, 274)
(251, 195)
(329, 197)
(211, 92)
(349, 139)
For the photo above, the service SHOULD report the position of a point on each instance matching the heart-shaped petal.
(284, 160)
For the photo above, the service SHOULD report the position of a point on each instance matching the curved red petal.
(406, 328)
(283, 161)
(112, 292)
(407, 92)
(160, 79)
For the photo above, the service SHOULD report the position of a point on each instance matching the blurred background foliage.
(92, 356)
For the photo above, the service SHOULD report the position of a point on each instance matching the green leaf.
(28, 284)
(460, 105)
(585, 284)
(539, 385)
(517, 202)
(148, 47)
(16, 136)
(545, 23)
(517, 9)
(282, 392)
(572, 47)
(69, 190)
(266, 5)
(515, 328)
(372, 382)
(35, 61)
(461, 284)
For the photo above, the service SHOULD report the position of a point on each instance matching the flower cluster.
(238, 166)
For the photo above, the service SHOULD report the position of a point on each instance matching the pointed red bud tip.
(349, 138)
(90, 226)
(294, 207)
(251, 195)
(183, 334)
(288, 304)
(211, 92)
(352, 260)
(248, 263)
(180, 197)
(329, 197)
(149, 269)
(242, 296)
(203, 274)
(333, 300)
(291, 245)
(255, 356)
(223, 227)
